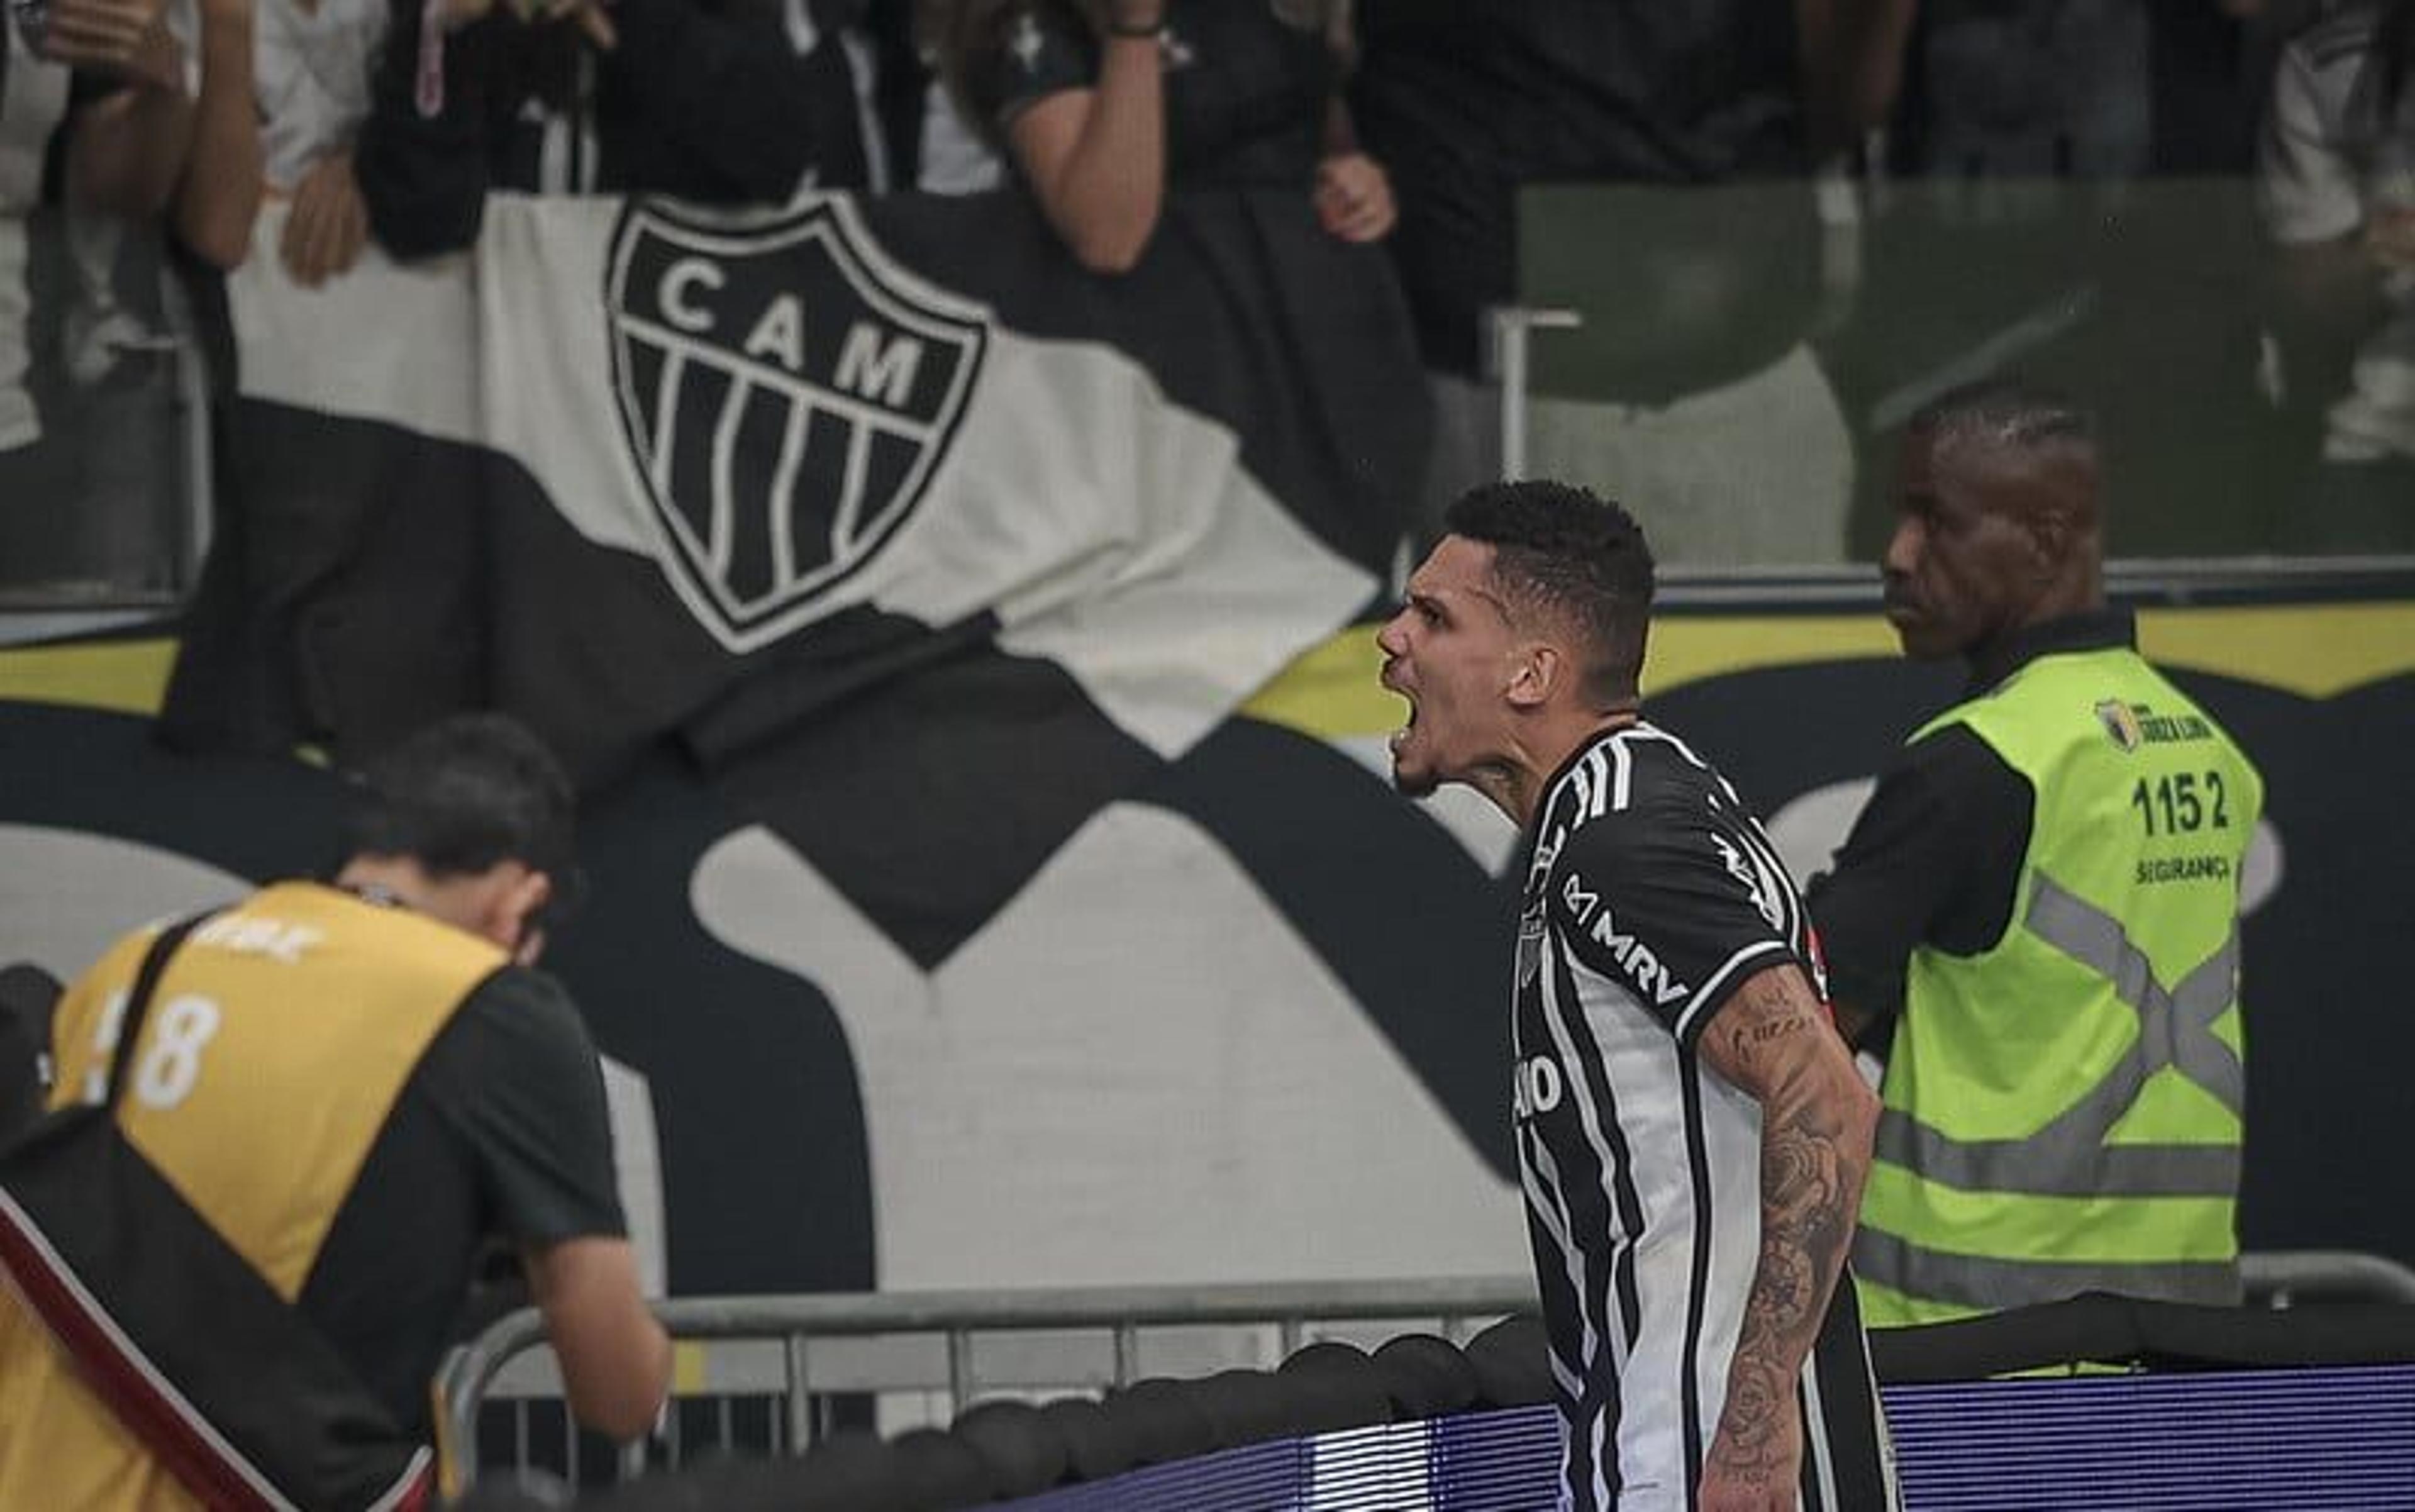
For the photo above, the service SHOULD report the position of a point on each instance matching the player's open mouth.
(1401, 736)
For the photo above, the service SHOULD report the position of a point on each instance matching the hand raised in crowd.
(329, 223)
(1354, 197)
(125, 38)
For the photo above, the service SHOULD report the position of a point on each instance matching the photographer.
(351, 1094)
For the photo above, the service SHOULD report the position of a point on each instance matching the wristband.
(1153, 32)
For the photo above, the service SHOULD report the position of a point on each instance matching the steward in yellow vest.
(2041, 904)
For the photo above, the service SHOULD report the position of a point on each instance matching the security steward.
(357, 1086)
(2035, 920)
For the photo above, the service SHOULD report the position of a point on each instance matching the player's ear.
(1535, 674)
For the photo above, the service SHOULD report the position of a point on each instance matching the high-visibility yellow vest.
(2063, 1111)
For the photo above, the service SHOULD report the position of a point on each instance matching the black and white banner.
(866, 509)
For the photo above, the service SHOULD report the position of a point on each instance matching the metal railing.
(800, 1333)
(792, 1349)
(2282, 1277)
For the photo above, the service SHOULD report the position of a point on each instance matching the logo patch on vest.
(786, 402)
(2121, 724)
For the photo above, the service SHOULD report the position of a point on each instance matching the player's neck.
(1523, 783)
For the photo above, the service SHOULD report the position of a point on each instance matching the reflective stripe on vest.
(1981, 1284)
(2070, 1156)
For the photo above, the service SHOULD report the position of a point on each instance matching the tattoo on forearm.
(1758, 1034)
(1811, 1180)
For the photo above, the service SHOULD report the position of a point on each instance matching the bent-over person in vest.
(2035, 920)
(346, 1090)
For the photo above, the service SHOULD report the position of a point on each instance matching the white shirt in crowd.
(311, 65)
(33, 102)
(953, 160)
(2326, 163)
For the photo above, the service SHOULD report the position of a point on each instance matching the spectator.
(2042, 902)
(218, 192)
(1999, 96)
(721, 101)
(2336, 183)
(95, 117)
(306, 71)
(2037, 89)
(1708, 416)
(356, 1087)
(1101, 106)
(2072, 202)
(950, 158)
(111, 75)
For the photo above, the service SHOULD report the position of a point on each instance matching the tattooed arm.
(1773, 1042)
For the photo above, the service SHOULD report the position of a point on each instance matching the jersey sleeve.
(517, 1075)
(1681, 909)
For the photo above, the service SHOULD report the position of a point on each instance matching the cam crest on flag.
(786, 399)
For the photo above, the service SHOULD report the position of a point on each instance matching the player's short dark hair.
(1564, 550)
(461, 794)
(2012, 415)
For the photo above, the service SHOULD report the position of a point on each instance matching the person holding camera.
(348, 1093)
(111, 75)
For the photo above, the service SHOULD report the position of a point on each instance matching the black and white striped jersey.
(1652, 894)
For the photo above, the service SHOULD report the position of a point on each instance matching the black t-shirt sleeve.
(517, 1077)
(1682, 908)
(1038, 48)
(1934, 858)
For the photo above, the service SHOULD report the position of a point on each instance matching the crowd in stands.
(1718, 403)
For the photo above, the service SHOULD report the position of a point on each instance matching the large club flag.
(924, 539)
